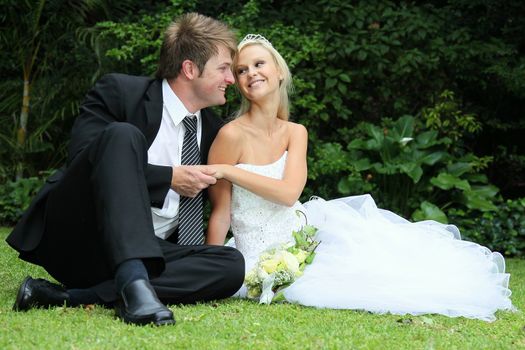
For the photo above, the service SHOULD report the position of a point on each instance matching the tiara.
(254, 38)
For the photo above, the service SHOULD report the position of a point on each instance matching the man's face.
(210, 86)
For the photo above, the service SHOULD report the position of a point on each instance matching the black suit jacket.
(114, 98)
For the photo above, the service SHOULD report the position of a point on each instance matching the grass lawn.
(241, 324)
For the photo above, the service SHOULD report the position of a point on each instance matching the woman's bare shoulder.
(231, 132)
(228, 145)
(296, 129)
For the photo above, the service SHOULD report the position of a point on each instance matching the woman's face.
(256, 72)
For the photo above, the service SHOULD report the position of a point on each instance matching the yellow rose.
(290, 261)
(269, 265)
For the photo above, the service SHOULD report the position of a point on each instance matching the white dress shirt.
(166, 149)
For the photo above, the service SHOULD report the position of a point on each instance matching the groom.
(122, 221)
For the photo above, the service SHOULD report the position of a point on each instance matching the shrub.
(410, 169)
(502, 230)
(15, 197)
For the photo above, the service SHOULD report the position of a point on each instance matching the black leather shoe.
(39, 293)
(140, 305)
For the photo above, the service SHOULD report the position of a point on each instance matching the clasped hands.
(189, 180)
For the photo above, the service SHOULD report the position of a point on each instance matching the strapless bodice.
(258, 223)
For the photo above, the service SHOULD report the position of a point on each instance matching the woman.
(368, 258)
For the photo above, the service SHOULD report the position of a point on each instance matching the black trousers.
(99, 215)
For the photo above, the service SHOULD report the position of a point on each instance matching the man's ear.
(189, 70)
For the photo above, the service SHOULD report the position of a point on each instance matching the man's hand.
(189, 180)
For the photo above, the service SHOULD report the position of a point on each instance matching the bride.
(369, 258)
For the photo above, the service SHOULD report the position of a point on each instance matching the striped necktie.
(190, 209)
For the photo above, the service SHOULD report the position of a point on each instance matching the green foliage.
(40, 46)
(507, 172)
(363, 61)
(429, 211)
(133, 46)
(15, 197)
(359, 67)
(446, 117)
(412, 167)
(501, 230)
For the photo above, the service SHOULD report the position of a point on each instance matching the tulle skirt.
(372, 259)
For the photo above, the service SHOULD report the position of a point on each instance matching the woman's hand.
(220, 170)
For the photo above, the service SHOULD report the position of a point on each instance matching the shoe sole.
(142, 321)
(146, 321)
(164, 322)
(19, 304)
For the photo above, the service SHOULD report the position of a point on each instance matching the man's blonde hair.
(193, 37)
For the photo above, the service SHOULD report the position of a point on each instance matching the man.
(133, 175)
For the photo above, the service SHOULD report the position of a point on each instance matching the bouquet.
(280, 266)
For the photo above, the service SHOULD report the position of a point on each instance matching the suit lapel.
(153, 106)
(206, 135)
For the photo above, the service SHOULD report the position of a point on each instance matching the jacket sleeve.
(158, 179)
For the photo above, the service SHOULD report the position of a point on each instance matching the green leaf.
(480, 178)
(488, 191)
(404, 127)
(474, 200)
(413, 170)
(447, 181)
(459, 168)
(299, 239)
(279, 297)
(344, 77)
(310, 258)
(356, 144)
(342, 88)
(433, 158)
(362, 164)
(330, 83)
(361, 55)
(309, 230)
(426, 139)
(377, 136)
(429, 211)
(343, 186)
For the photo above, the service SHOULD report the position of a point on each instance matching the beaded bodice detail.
(257, 223)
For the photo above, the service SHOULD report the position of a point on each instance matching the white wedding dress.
(372, 259)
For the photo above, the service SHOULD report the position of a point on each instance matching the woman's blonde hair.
(285, 86)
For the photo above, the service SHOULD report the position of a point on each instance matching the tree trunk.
(22, 130)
